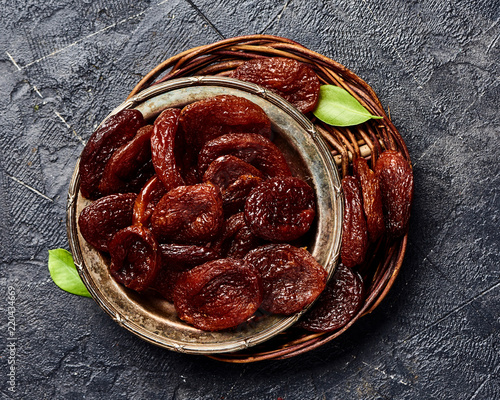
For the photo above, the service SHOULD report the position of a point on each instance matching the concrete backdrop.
(434, 64)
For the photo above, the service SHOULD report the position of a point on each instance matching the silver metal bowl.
(148, 315)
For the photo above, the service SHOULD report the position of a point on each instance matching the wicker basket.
(367, 140)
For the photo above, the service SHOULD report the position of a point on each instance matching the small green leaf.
(64, 274)
(337, 107)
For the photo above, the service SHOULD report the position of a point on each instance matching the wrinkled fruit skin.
(218, 295)
(207, 119)
(249, 147)
(189, 214)
(280, 209)
(337, 304)
(294, 81)
(396, 184)
(176, 259)
(110, 136)
(235, 195)
(354, 231)
(163, 148)
(100, 220)
(291, 277)
(146, 201)
(226, 169)
(237, 239)
(188, 255)
(235, 178)
(135, 259)
(130, 166)
(372, 198)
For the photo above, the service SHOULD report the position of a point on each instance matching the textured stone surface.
(64, 65)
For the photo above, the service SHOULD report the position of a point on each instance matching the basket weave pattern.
(367, 140)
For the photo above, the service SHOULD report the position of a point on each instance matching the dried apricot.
(209, 118)
(135, 259)
(396, 184)
(148, 197)
(163, 148)
(218, 295)
(130, 166)
(235, 178)
(235, 195)
(237, 239)
(100, 220)
(372, 198)
(189, 214)
(249, 147)
(338, 304)
(187, 255)
(113, 133)
(176, 259)
(291, 277)
(280, 209)
(226, 169)
(354, 232)
(294, 81)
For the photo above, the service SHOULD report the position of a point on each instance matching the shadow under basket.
(368, 140)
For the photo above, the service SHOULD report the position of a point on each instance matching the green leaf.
(337, 107)
(64, 274)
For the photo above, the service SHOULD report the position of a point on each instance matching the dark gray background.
(434, 64)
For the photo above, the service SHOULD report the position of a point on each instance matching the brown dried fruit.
(185, 254)
(294, 81)
(100, 220)
(280, 209)
(189, 214)
(291, 277)
(234, 197)
(163, 148)
(218, 295)
(130, 166)
(113, 133)
(226, 169)
(396, 184)
(235, 178)
(337, 304)
(135, 259)
(372, 198)
(237, 239)
(354, 232)
(176, 259)
(207, 119)
(146, 201)
(249, 147)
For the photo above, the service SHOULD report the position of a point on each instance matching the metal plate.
(147, 314)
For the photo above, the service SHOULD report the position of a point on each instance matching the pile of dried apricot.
(201, 206)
